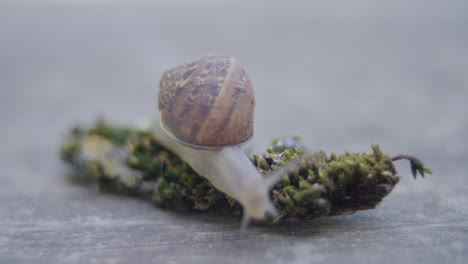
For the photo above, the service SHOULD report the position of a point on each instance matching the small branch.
(416, 165)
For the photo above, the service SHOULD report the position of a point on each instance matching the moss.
(132, 161)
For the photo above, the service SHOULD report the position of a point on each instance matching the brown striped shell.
(207, 102)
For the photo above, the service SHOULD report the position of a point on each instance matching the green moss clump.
(132, 161)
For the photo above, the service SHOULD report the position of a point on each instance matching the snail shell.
(207, 103)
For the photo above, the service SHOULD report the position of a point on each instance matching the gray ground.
(341, 75)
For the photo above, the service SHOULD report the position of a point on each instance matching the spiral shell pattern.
(207, 102)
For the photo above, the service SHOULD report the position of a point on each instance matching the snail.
(206, 113)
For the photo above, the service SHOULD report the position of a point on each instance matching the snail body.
(229, 170)
(206, 113)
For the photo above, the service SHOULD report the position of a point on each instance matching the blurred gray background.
(341, 74)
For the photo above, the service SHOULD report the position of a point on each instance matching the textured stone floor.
(341, 74)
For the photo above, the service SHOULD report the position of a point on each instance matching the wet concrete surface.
(341, 75)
